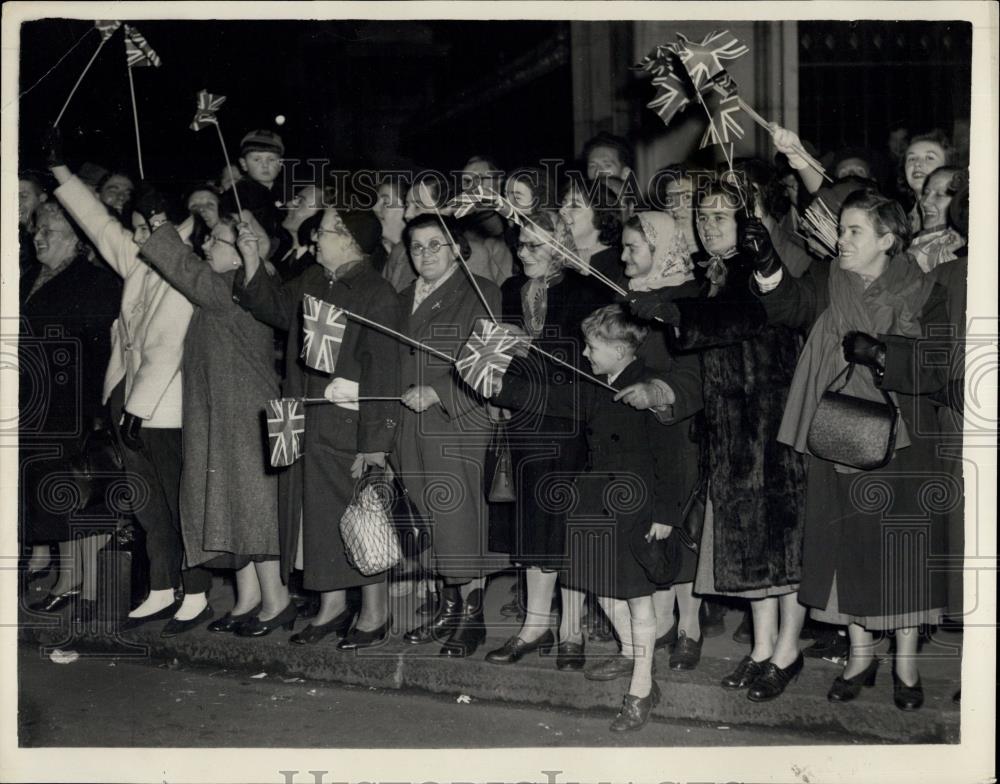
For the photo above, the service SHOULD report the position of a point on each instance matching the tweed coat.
(229, 496)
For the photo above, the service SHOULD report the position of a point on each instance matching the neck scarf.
(716, 270)
(932, 247)
(888, 306)
(423, 289)
(672, 263)
(534, 293)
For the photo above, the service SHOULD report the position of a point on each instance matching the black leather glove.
(52, 146)
(152, 203)
(653, 305)
(129, 431)
(755, 242)
(863, 349)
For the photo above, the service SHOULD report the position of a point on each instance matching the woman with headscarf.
(549, 302)
(657, 258)
(869, 533)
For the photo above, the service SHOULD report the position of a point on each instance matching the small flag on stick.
(138, 52)
(286, 422)
(703, 61)
(726, 128)
(323, 327)
(208, 105)
(107, 27)
(486, 356)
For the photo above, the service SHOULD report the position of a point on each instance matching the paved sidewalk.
(536, 681)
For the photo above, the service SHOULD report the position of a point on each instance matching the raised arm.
(185, 271)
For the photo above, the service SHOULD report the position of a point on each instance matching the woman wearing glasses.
(340, 440)
(549, 302)
(445, 430)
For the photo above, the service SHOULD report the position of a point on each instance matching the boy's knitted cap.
(262, 140)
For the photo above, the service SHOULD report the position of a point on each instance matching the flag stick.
(135, 117)
(398, 335)
(575, 369)
(813, 163)
(80, 79)
(363, 399)
(225, 154)
(472, 278)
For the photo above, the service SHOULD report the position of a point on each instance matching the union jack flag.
(138, 52)
(208, 105)
(469, 200)
(703, 61)
(486, 356)
(107, 27)
(724, 128)
(286, 423)
(323, 327)
(725, 85)
(671, 96)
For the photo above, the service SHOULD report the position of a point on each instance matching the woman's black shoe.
(570, 656)
(515, 648)
(128, 624)
(55, 602)
(447, 617)
(907, 698)
(846, 689)
(255, 627)
(358, 639)
(635, 711)
(686, 654)
(232, 623)
(470, 632)
(313, 633)
(772, 680)
(175, 627)
(744, 675)
(668, 640)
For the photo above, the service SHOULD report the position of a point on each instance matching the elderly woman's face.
(636, 253)
(55, 242)
(204, 204)
(537, 256)
(577, 214)
(935, 200)
(431, 253)
(859, 244)
(220, 249)
(717, 225)
(116, 191)
(921, 159)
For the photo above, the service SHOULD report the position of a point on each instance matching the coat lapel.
(437, 303)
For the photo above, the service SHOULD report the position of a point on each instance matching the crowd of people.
(658, 448)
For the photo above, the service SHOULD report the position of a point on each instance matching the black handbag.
(853, 431)
(97, 464)
(693, 517)
(502, 485)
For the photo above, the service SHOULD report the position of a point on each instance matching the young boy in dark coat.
(624, 492)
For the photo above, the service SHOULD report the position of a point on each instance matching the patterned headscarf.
(534, 293)
(672, 263)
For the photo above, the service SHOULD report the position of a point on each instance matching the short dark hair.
(446, 223)
(537, 180)
(887, 217)
(617, 143)
(606, 204)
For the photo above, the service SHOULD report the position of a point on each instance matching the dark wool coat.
(229, 496)
(625, 486)
(318, 488)
(757, 484)
(442, 451)
(64, 342)
(546, 449)
(877, 530)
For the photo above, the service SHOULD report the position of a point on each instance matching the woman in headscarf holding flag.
(869, 534)
(342, 359)
(751, 543)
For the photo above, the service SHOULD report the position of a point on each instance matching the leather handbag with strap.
(853, 431)
(98, 463)
(502, 485)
